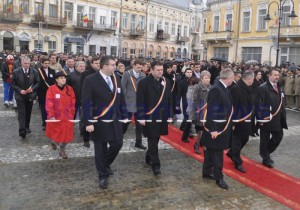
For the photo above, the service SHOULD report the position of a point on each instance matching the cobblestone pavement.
(32, 176)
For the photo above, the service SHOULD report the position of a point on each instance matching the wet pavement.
(32, 176)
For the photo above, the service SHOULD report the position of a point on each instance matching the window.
(113, 19)
(23, 7)
(142, 22)
(113, 51)
(286, 11)
(290, 54)
(79, 48)
(132, 53)
(80, 10)
(165, 55)
(39, 8)
(133, 22)
(221, 52)
(179, 30)
(8, 6)
(67, 47)
(216, 23)
(251, 53)
(150, 53)
(102, 50)
(172, 54)
(140, 53)
(51, 46)
(69, 11)
(173, 29)
(185, 31)
(228, 23)
(159, 23)
(124, 52)
(204, 25)
(102, 20)
(166, 27)
(157, 54)
(52, 10)
(246, 21)
(92, 13)
(38, 45)
(151, 27)
(125, 21)
(261, 20)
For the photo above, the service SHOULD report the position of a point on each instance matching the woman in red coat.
(60, 107)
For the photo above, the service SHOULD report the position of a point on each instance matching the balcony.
(80, 25)
(160, 35)
(104, 27)
(217, 36)
(10, 17)
(137, 32)
(196, 47)
(286, 31)
(49, 21)
(181, 39)
(195, 30)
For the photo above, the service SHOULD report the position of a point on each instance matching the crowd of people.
(224, 102)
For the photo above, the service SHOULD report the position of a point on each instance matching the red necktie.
(275, 87)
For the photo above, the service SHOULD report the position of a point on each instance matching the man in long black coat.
(47, 78)
(154, 108)
(272, 121)
(218, 128)
(243, 106)
(103, 106)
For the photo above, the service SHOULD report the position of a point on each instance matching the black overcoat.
(50, 79)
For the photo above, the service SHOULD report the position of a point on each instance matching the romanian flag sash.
(133, 83)
(225, 128)
(43, 77)
(203, 107)
(64, 72)
(243, 119)
(174, 78)
(277, 111)
(160, 99)
(112, 101)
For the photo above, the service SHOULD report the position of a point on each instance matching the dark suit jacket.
(268, 97)
(42, 90)
(96, 95)
(148, 95)
(18, 83)
(219, 107)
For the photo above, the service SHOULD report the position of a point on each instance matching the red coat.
(60, 106)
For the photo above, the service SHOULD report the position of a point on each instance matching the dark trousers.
(237, 144)
(83, 132)
(104, 156)
(186, 131)
(43, 111)
(152, 152)
(268, 145)
(213, 162)
(24, 114)
(138, 128)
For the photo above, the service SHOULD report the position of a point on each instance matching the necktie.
(109, 83)
(275, 87)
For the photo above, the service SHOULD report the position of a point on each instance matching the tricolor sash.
(133, 83)
(243, 119)
(203, 107)
(160, 99)
(227, 124)
(277, 111)
(112, 101)
(64, 72)
(43, 77)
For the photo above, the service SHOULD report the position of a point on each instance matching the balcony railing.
(56, 21)
(11, 17)
(195, 30)
(183, 39)
(196, 46)
(82, 25)
(286, 32)
(162, 36)
(217, 35)
(137, 32)
(104, 27)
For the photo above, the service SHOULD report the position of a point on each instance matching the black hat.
(60, 74)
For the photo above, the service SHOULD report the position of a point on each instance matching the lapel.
(153, 84)
(31, 76)
(271, 88)
(21, 76)
(104, 83)
(225, 90)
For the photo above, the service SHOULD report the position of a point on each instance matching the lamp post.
(280, 16)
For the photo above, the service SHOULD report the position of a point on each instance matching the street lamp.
(280, 13)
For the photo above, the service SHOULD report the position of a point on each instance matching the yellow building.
(237, 31)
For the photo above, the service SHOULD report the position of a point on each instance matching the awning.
(74, 39)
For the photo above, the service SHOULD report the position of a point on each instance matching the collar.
(103, 75)
(223, 83)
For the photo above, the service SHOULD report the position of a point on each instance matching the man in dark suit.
(272, 121)
(154, 109)
(218, 127)
(129, 83)
(47, 78)
(25, 82)
(243, 106)
(103, 105)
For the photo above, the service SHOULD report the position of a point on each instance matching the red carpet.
(271, 182)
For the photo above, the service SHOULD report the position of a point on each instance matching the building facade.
(236, 30)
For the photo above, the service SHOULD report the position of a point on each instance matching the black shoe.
(256, 133)
(228, 154)
(240, 168)
(28, 130)
(44, 127)
(208, 176)
(186, 140)
(268, 164)
(148, 161)
(103, 183)
(110, 171)
(140, 146)
(252, 134)
(196, 149)
(221, 183)
(23, 135)
(156, 171)
(86, 144)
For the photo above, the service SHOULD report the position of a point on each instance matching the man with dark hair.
(103, 106)
(237, 77)
(272, 120)
(129, 83)
(154, 109)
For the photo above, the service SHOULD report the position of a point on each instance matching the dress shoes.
(86, 144)
(272, 161)
(221, 183)
(196, 149)
(148, 161)
(103, 183)
(23, 134)
(228, 154)
(53, 146)
(240, 168)
(28, 130)
(140, 146)
(63, 154)
(209, 176)
(268, 164)
(156, 171)
(110, 171)
(43, 127)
